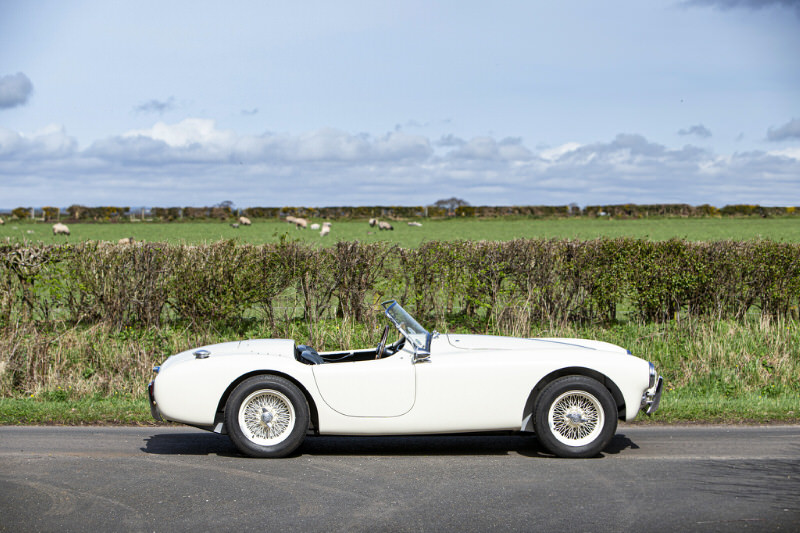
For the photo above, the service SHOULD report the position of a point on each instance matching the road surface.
(652, 478)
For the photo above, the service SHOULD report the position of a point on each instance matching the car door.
(376, 388)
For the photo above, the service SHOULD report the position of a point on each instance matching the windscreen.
(409, 327)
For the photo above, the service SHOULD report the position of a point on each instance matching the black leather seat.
(308, 355)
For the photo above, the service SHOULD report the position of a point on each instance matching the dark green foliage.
(97, 214)
(118, 285)
(493, 286)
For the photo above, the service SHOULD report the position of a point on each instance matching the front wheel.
(267, 416)
(575, 416)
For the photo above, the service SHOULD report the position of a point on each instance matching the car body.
(268, 394)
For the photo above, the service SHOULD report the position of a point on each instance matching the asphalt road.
(705, 478)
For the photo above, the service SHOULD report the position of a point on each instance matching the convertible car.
(267, 395)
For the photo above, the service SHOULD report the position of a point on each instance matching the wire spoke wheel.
(576, 418)
(266, 417)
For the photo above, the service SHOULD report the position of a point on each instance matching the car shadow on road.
(620, 443)
(422, 445)
(200, 443)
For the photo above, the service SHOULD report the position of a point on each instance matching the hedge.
(503, 286)
(167, 214)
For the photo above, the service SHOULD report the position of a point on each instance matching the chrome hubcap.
(576, 418)
(266, 417)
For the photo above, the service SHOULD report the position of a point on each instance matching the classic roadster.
(267, 395)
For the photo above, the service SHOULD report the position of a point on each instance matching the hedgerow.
(497, 286)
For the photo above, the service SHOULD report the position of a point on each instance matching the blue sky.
(399, 103)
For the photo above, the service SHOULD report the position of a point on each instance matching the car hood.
(492, 342)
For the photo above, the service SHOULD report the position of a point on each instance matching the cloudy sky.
(322, 103)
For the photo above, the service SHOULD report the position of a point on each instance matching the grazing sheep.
(373, 222)
(1, 222)
(235, 225)
(244, 221)
(299, 223)
(325, 230)
(415, 224)
(385, 226)
(315, 226)
(126, 240)
(60, 229)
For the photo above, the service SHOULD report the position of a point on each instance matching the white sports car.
(267, 395)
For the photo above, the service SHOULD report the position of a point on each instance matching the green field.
(785, 229)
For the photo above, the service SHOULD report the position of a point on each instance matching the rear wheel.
(267, 416)
(575, 416)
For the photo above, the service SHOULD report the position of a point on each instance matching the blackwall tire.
(267, 416)
(575, 416)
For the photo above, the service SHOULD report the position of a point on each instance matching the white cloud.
(51, 142)
(185, 133)
(552, 154)
(192, 162)
(790, 130)
(489, 149)
(156, 106)
(745, 4)
(793, 152)
(14, 90)
(698, 129)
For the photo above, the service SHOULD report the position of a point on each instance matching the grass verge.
(84, 411)
(676, 407)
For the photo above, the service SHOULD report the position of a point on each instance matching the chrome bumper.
(652, 397)
(153, 407)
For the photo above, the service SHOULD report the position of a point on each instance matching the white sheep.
(315, 226)
(326, 228)
(60, 229)
(385, 226)
(126, 240)
(415, 224)
(235, 225)
(373, 222)
(244, 221)
(2, 222)
(299, 223)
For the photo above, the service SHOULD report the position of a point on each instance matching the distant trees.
(21, 212)
(50, 213)
(451, 204)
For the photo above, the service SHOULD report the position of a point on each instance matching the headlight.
(653, 375)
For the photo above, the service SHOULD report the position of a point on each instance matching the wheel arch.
(608, 383)
(219, 417)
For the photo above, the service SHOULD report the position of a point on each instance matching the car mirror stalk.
(421, 356)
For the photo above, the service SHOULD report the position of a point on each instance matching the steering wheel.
(382, 345)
